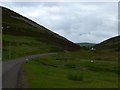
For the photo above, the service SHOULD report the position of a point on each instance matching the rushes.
(76, 76)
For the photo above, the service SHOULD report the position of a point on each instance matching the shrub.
(75, 76)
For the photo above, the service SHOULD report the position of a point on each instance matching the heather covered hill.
(111, 44)
(22, 36)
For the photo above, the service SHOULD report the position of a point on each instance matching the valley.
(71, 66)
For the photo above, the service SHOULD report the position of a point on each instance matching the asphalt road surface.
(11, 69)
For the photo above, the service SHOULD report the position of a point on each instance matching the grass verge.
(44, 76)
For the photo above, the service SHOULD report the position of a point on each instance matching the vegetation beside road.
(17, 46)
(71, 70)
(21, 36)
(71, 67)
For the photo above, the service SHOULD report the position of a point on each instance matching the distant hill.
(86, 44)
(111, 44)
(22, 36)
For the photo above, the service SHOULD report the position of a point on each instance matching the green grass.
(63, 70)
(20, 38)
(17, 46)
(75, 76)
(41, 76)
(75, 60)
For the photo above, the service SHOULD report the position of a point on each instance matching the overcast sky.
(78, 22)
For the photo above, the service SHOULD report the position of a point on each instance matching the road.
(11, 69)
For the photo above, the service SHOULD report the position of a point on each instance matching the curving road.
(11, 68)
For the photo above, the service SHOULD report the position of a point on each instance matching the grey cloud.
(21, 4)
(78, 22)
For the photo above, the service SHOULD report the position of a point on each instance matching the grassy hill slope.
(22, 36)
(111, 44)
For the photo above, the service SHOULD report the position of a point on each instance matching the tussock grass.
(45, 76)
(75, 76)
